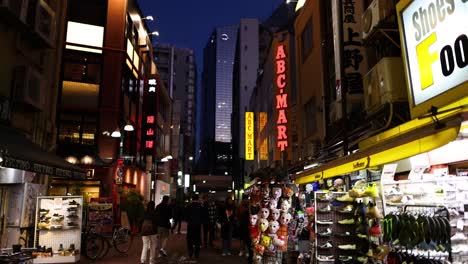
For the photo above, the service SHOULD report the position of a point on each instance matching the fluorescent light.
(229, 190)
(164, 160)
(129, 127)
(187, 180)
(169, 157)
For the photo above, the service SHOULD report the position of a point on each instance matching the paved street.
(177, 251)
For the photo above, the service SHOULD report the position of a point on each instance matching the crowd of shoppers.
(207, 220)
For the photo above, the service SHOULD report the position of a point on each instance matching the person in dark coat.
(227, 220)
(164, 212)
(243, 218)
(177, 214)
(194, 217)
(149, 235)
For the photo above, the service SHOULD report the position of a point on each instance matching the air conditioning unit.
(19, 8)
(41, 17)
(354, 105)
(29, 88)
(377, 11)
(385, 83)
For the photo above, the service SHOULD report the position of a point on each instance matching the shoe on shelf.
(372, 190)
(325, 209)
(345, 258)
(349, 221)
(325, 258)
(347, 209)
(345, 198)
(325, 222)
(345, 234)
(324, 197)
(347, 247)
(74, 203)
(362, 259)
(223, 254)
(327, 232)
(163, 252)
(326, 245)
(459, 236)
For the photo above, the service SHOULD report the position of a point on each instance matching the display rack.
(58, 227)
(334, 216)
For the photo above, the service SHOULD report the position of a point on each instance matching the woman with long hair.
(149, 233)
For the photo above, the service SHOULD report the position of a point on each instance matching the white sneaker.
(224, 254)
(325, 258)
(458, 237)
(347, 247)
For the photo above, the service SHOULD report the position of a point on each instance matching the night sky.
(189, 23)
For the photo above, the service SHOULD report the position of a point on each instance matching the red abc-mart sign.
(281, 98)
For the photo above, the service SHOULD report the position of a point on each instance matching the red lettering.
(281, 101)
(150, 119)
(282, 117)
(280, 66)
(149, 144)
(280, 52)
(150, 132)
(282, 133)
(282, 145)
(281, 81)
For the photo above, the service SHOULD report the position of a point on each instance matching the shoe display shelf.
(427, 193)
(58, 226)
(334, 230)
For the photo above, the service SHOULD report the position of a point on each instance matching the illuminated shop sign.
(262, 139)
(281, 98)
(152, 85)
(149, 115)
(435, 49)
(249, 136)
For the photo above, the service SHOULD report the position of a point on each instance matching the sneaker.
(327, 232)
(325, 209)
(326, 245)
(345, 234)
(223, 254)
(362, 259)
(44, 211)
(324, 197)
(349, 221)
(229, 253)
(241, 254)
(57, 217)
(325, 222)
(347, 247)
(345, 258)
(325, 258)
(372, 190)
(347, 209)
(74, 203)
(458, 237)
(163, 252)
(345, 198)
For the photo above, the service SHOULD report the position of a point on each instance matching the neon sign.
(249, 136)
(281, 99)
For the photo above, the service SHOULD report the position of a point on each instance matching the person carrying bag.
(149, 233)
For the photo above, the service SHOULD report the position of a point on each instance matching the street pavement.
(177, 253)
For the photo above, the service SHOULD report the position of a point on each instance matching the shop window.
(307, 40)
(77, 129)
(87, 11)
(82, 67)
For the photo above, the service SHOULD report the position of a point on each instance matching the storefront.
(25, 173)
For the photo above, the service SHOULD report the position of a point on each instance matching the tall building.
(215, 98)
(244, 81)
(178, 72)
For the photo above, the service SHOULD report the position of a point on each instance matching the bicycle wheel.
(95, 246)
(122, 240)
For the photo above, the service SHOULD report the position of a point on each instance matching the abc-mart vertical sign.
(434, 37)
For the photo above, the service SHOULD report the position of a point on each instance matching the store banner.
(262, 137)
(435, 51)
(249, 136)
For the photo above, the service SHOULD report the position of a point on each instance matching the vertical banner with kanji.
(149, 116)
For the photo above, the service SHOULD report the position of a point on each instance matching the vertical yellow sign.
(249, 136)
(263, 140)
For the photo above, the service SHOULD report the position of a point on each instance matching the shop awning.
(18, 152)
(409, 139)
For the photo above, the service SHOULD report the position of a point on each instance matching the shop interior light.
(87, 160)
(190, 158)
(129, 127)
(116, 133)
(204, 181)
(72, 160)
(229, 191)
(168, 157)
(164, 160)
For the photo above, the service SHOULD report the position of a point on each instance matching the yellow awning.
(406, 140)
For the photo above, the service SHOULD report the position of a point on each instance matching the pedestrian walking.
(149, 233)
(227, 220)
(194, 223)
(243, 218)
(209, 225)
(164, 213)
(177, 216)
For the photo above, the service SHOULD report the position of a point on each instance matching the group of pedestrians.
(156, 224)
(206, 220)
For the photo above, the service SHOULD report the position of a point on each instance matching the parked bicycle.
(96, 245)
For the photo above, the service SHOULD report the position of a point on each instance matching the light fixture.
(154, 33)
(1, 159)
(129, 127)
(204, 181)
(225, 173)
(150, 18)
(116, 133)
(87, 160)
(190, 158)
(229, 191)
(72, 160)
(168, 157)
(164, 160)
